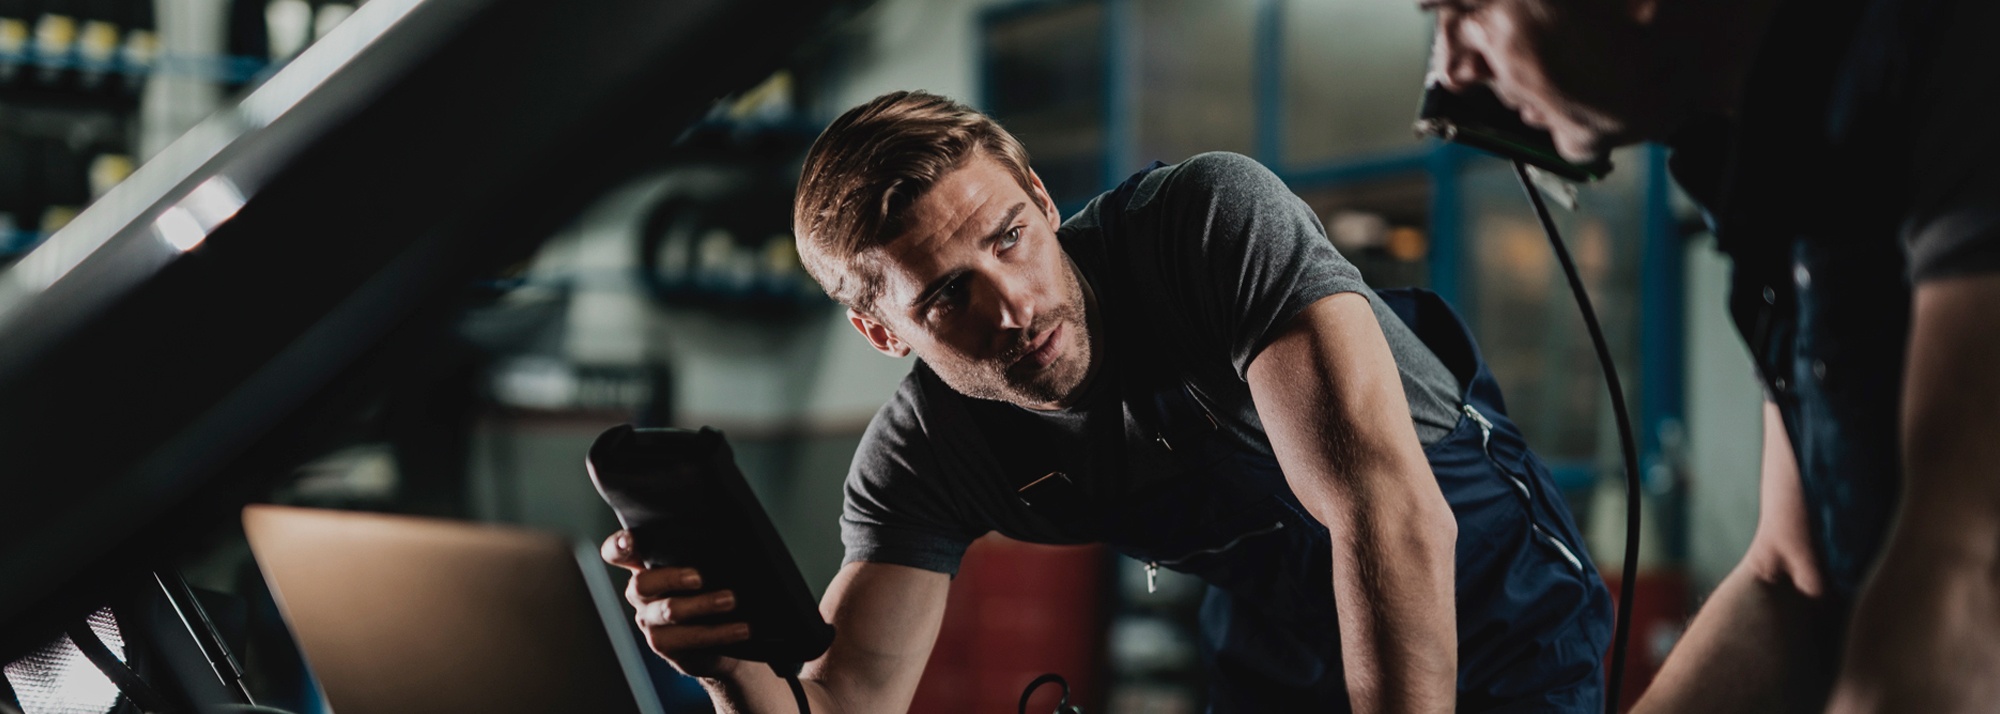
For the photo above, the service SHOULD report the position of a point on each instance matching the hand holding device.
(682, 622)
(688, 511)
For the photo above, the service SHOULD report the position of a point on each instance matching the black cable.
(799, 693)
(789, 671)
(1062, 707)
(1622, 630)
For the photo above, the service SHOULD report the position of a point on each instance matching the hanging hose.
(789, 671)
(1622, 631)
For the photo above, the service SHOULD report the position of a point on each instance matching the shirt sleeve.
(898, 509)
(1244, 253)
(1954, 225)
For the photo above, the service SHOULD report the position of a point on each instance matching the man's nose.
(1456, 64)
(1013, 308)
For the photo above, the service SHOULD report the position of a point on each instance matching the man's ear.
(1048, 205)
(878, 335)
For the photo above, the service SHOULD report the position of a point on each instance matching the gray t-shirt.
(1218, 248)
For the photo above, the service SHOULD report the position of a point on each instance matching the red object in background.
(1659, 615)
(1017, 611)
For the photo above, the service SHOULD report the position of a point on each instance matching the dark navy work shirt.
(1860, 162)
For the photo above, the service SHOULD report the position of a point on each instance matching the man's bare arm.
(1333, 406)
(885, 619)
(1926, 629)
(1762, 642)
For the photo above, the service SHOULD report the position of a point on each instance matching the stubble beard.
(1004, 379)
(1058, 382)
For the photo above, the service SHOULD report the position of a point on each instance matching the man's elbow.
(1440, 529)
(1425, 507)
(1422, 522)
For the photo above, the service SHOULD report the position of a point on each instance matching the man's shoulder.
(924, 414)
(1207, 176)
(896, 449)
(902, 418)
(1221, 168)
(1198, 177)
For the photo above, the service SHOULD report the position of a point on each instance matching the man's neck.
(1711, 46)
(1093, 320)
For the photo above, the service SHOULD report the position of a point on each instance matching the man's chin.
(1037, 395)
(1582, 144)
(1046, 389)
(1583, 148)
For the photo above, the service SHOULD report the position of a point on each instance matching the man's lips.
(1044, 352)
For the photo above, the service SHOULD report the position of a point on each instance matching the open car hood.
(180, 340)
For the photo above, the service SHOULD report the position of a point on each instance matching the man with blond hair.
(1187, 371)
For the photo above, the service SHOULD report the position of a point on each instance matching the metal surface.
(193, 618)
(182, 340)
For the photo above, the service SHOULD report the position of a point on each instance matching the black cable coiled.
(1062, 707)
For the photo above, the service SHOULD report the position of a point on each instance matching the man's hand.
(1332, 403)
(1763, 641)
(1926, 630)
(886, 616)
(677, 615)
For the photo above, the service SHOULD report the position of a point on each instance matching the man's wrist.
(726, 692)
(742, 687)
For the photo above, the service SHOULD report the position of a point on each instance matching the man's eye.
(1012, 237)
(947, 298)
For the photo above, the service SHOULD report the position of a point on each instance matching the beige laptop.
(402, 614)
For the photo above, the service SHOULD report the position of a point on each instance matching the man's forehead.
(979, 186)
(905, 267)
(958, 210)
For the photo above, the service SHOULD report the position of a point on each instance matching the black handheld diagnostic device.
(685, 503)
(1475, 117)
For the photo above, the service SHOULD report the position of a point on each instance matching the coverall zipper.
(1485, 440)
(1153, 566)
